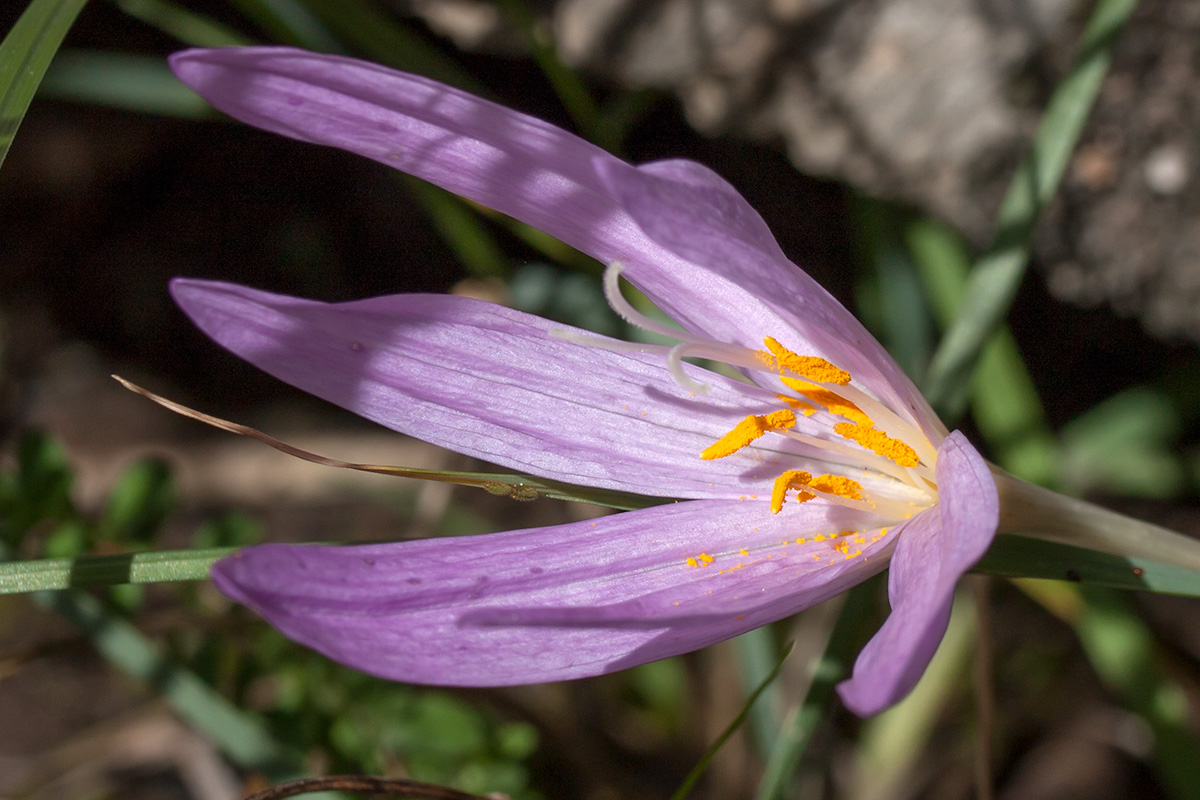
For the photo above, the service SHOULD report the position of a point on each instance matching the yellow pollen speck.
(801, 541)
(744, 552)
(746, 431)
(691, 562)
(879, 443)
(706, 558)
(811, 367)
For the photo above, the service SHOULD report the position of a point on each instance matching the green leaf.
(138, 503)
(39, 489)
(290, 22)
(847, 637)
(1004, 402)
(188, 27)
(1022, 557)
(242, 737)
(25, 54)
(702, 766)
(997, 274)
(1141, 424)
(109, 570)
(118, 80)
(382, 38)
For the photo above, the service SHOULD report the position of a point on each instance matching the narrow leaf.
(847, 636)
(702, 766)
(25, 54)
(1023, 557)
(997, 274)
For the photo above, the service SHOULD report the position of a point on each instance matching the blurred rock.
(930, 102)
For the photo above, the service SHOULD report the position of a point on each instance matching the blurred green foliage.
(296, 702)
(916, 279)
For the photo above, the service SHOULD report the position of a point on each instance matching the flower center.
(816, 384)
(851, 431)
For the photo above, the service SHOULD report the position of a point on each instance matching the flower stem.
(1042, 514)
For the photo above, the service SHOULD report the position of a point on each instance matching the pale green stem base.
(1039, 513)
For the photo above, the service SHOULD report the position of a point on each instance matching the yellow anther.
(811, 367)
(832, 402)
(796, 404)
(836, 484)
(792, 479)
(747, 431)
(879, 443)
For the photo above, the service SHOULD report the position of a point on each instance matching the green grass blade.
(241, 737)
(461, 228)
(189, 27)
(702, 765)
(848, 635)
(25, 54)
(996, 276)
(382, 38)
(567, 84)
(290, 22)
(1004, 402)
(118, 80)
(191, 565)
(757, 652)
(1022, 557)
(109, 570)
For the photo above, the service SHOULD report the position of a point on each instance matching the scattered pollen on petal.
(879, 443)
(691, 562)
(812, 367)
(706, 559)
(746, 431)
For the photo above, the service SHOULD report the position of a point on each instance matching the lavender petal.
(554, 603)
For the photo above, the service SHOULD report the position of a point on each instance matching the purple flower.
(792, 484)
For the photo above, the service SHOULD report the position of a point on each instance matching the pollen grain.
(812, 367)
(746, 431)
(879, 443)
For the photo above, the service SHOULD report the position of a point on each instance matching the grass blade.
(997, 274)
(241, 737)
(702, 765)
(189, 27)
(109, 570)
(25, 54)
(848, 635)
(1128, 660)
(1022, 557)
(119, 80)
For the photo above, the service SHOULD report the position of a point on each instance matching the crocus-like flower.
(811, 472)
